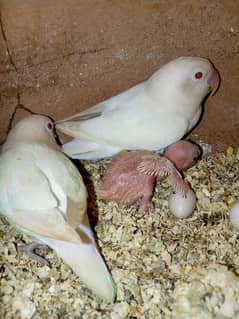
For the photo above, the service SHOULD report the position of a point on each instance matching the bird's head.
(187, 79)
(33, 129)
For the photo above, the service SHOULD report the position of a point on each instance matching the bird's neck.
(172, 99)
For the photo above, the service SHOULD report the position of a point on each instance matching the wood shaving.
(163, 267)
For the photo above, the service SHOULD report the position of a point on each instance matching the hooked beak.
(213, 82)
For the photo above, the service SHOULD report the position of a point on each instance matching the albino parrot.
(150, 115)
(43, 195)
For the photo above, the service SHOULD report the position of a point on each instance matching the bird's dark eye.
(49, 126)
(198, 75)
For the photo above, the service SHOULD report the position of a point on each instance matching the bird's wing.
(22, 184)
(28, 200)
(126, 130)
(68, 186)
(66, 182)
(113, 103)
(31, 197)
(130, 120)
(49, 196)
(92, 112)
(86, 115)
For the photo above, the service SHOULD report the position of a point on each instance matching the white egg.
(234, 215)
(182, 207)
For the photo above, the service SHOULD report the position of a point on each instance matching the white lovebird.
(150, 115)
(43, 194)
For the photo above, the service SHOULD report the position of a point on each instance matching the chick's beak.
(213, 82)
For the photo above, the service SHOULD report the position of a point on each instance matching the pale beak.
(213, 82)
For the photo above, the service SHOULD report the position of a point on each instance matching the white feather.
(150, 115)
(43, 194)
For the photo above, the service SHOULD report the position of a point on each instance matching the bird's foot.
(146, 204)
(29, 249)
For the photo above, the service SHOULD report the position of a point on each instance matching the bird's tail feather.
(87, 263)
(86, 150)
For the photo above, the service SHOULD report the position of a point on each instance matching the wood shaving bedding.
(163, 267)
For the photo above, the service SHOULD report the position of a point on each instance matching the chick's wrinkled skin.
(125, 185)
(131, 175)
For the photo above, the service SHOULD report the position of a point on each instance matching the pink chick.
(131, 175)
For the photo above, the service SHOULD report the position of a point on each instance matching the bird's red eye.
(198, 75)
(49, 126)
